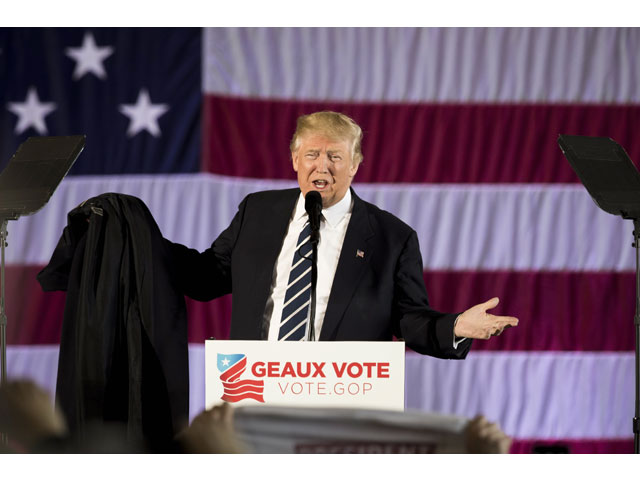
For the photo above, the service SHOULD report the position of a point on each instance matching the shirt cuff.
(457, 340)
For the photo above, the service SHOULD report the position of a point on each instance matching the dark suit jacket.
(372, 298)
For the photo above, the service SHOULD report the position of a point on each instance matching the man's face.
(324, 164)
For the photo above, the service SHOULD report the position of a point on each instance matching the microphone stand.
(315, 238)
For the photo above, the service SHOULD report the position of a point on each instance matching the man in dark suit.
(369, 285)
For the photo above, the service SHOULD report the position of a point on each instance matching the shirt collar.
(333, 215)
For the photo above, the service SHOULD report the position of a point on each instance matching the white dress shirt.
(333, 229)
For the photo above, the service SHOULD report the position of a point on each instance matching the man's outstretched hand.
(477, 323)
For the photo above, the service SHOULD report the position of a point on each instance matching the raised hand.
(481, 436)
(212, 431)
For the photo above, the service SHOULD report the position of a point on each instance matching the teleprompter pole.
(636, 418)
(26, 184)
(613, 182)
(3, 316)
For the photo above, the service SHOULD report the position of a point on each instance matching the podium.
(323, 397)
(367, 375)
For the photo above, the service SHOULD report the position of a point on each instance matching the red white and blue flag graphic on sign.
(232, 367)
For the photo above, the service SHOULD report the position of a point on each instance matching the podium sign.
(305, 374)
(268, 429)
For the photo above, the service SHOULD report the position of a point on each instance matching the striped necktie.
(295, 318)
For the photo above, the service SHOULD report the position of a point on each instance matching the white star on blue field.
(31, 113)
(143, 115)
(135, 93)
(89, 57)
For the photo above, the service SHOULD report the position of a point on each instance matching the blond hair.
(333, 125)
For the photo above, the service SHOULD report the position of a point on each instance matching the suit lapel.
(273, 237)
(273, 229)
(356, 253)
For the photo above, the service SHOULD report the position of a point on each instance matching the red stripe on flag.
(587, 311)
(35, 317)
(574, 446)
(445, 143)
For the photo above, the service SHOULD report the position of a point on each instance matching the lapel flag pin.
(359, 253)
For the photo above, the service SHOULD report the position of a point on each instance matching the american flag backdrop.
(460, 129)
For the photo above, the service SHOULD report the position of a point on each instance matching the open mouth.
(320, 184)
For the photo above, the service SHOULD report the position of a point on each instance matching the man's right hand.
(477, 323)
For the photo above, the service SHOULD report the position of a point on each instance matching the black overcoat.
(123, 347)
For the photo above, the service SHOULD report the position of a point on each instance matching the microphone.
(313, 206)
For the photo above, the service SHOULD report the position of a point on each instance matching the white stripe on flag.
(570, 395)
(581, 395)
(460, 227)
(424, 64)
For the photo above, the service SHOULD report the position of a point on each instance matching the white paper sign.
(312, 374)
(268, 429)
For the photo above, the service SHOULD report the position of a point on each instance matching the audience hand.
(484, 437)
(27, 414)
(211, 432)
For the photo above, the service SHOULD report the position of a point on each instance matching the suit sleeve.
(207, 275)
(423, 329)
